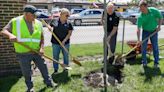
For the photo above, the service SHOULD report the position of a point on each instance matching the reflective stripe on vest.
(21, 31)
(19, 34)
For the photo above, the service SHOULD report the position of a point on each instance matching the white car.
(87, 16)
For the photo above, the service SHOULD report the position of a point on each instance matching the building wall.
(8, 63)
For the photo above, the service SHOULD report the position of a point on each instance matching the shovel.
(139, 44)
(62, 65)
(72, 58)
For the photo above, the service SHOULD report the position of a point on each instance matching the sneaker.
(52, 85)
(156, 66)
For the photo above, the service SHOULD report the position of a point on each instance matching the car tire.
(99, 23)
(77, 22)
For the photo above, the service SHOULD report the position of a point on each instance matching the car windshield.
(55, 10)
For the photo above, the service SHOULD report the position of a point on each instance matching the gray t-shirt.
(29, 25)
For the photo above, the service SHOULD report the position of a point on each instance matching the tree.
(150, 2)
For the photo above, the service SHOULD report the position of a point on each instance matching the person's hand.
(138, 44)
(13, 38)
(108, 40)
(158, 29)
(63, 42)
(41, 51)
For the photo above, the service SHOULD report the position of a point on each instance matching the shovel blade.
(76, 62)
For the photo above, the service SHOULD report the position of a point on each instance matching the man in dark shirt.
(63, 30)
(112, 27)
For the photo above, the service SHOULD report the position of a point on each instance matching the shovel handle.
(63, 65)
(73, 59)
(140, 43)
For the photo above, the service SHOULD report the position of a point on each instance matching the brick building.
(8, 62)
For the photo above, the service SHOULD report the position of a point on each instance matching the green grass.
(87, 49)
(136, 78)
(81, 49)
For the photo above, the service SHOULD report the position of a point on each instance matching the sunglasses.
(66, 15)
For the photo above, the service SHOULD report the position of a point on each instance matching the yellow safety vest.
(20, 30)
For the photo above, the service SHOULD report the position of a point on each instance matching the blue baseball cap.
(30, 8)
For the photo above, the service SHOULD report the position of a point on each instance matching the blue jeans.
(154, 42)
(56, 52)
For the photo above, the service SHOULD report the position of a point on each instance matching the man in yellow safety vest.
(29, 31)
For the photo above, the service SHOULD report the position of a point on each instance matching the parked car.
(55, 12)
(124, 14)
(87, 16)
(162, 12)
(44, 15)
(45, 11)
(77, 10)
(133, 18)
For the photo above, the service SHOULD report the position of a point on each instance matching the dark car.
(42, 15)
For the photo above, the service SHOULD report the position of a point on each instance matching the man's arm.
(159, 24)
(115, 27)
(42, 44)
(12, 37)
(7, 32)
(139, 25)
(138, 34)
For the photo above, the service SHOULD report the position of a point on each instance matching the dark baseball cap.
(30, 8)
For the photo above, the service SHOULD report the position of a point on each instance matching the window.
(96, 12)
(88, 12)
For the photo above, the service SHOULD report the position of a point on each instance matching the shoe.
(65, 70)
(55, 71)
(110, 60)
(30, 90)
(156, 66)
(144, 63)
(52, 85)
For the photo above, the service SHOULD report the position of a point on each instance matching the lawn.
(136, 78)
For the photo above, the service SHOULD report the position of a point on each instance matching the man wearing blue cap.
(29, 31)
